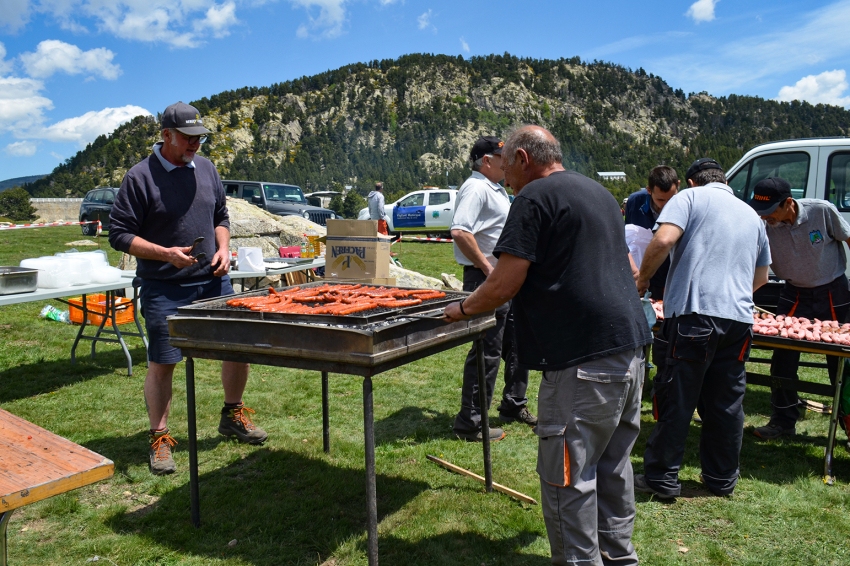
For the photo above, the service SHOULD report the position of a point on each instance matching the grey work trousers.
(589, 421)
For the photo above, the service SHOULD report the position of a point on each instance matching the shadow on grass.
(44, 376)
(781, 461)
(413, 423)
(281, 508)
(461, 549)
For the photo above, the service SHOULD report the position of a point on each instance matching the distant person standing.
(480, 214)
(167, 201)
(807, 249)
(642, 209)
(376, 208)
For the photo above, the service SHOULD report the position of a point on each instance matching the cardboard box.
(355, 250)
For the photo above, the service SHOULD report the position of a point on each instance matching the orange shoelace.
(239, 415)
(162, 446)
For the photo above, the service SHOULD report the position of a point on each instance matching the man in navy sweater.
(172, 216)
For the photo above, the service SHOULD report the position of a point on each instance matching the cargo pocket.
(691, 343)
(600, 393)
(659, 350)
(553, 457)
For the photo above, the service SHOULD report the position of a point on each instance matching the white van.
(815, 167)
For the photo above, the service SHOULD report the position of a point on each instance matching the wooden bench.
(36, 464)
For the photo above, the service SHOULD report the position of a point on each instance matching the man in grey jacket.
(376, 208)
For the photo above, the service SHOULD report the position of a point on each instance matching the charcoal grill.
(364, 344)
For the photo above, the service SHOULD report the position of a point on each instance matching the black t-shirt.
(579, 301)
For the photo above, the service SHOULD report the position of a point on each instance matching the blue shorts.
(160, 299)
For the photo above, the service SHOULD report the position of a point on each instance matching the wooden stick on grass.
(496, 486)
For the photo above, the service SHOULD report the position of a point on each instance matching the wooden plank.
(498, 487)
(36, 464)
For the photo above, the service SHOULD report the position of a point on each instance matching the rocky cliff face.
(411, 122)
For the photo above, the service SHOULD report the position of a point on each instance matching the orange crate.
(96, 305)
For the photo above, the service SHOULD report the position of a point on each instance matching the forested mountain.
(411, 121)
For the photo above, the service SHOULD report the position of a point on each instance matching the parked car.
(278, 198)
(97, 205)
(321, 198)
(815, 168)
(428, 211)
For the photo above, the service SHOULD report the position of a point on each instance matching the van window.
(108, 197)
(231, 189)
(793, 167)
(415, 199)
(837, 175)
(438, 198)
(248, 192)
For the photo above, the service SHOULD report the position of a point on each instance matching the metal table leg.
(326, 426)
(191, 417)
(828, 478)
(485, 419)
(4, 522)
(371, 491)
(80, 331)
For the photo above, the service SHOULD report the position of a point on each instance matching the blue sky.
(71, 70)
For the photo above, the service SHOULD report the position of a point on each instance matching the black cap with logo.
(768, 194)
(701, 165)
(487, 145)
(185, 119)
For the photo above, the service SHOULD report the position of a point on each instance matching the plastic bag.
(637, 238)
(52, 313)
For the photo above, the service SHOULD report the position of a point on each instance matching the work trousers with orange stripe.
(827, 302)
(702, 368)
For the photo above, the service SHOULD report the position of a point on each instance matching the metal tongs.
(197, 241)
(436, 314)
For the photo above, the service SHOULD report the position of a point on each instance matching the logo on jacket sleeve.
(815, 237)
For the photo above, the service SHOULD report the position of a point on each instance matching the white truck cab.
(815, 168)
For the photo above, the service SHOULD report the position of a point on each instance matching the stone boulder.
(408, 278)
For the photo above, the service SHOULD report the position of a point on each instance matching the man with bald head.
(562, 251)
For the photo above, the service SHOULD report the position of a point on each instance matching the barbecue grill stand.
(201, 337)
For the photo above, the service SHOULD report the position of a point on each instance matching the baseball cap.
(486, 145)
(701, 165)
(768, 194)
(184, 118)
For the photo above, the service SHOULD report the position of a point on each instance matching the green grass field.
(288, 503)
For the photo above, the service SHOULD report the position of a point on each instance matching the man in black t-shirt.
(564, 261)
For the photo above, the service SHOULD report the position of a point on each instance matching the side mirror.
(256, 199)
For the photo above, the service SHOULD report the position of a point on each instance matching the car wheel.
(88, 229)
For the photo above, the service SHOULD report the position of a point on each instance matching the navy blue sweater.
(170, 209)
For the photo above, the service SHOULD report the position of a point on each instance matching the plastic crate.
(96, 305)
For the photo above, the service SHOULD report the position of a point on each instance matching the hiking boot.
(523, 416)
(237, 422)
(643, 487)
(773, 430)
(161, 461)
(496, 434)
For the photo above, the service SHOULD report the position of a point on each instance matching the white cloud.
(702, 10)
(21, 104)
(825, 88)
(53, 56)
(21, 149)
(425, 20)
(14, 14)
(84, 129)
(329, 21)
(464, 45)
(5, 66)
(218, 19)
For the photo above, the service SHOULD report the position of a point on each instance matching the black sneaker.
(237, 422)
(523, 416)
(496, 434)
(643, 487)
(161, 462)
(773, 430)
